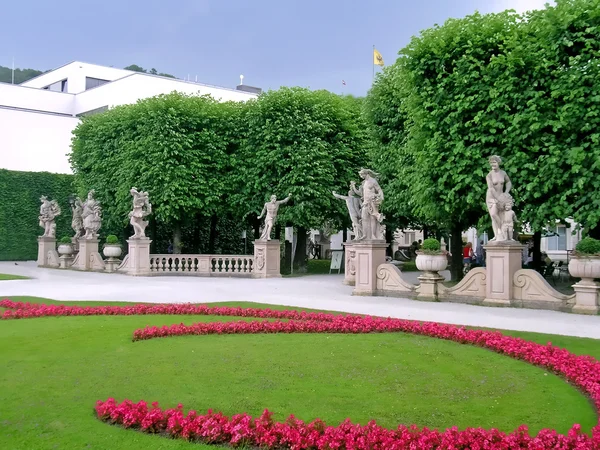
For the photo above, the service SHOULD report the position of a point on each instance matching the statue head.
(273, 198)
(91, 194)
(364, 173)
(495, 162)
(43, 199)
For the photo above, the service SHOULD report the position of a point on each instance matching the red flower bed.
(582, 371)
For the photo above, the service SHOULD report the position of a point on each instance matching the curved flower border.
(242, 429)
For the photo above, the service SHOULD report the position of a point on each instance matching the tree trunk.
(300, 261)
(278, 232)
(594, 232)
(344, 235)
(196, 238)
(537, 252)
(389, 238)
(212, 237)
(456, 268)
(256, 226)
(152, 234)
(425, 232)
(177, 238)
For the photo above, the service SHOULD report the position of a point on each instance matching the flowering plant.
(263, 432)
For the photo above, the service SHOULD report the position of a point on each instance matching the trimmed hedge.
(20, 194)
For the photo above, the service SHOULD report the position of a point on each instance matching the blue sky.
(309, 43)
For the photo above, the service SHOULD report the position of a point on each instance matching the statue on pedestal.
(271, 208)
(141, 209)
(353, 205)
(500, 202)
(77, 221)
(48, 212)
(92, 216)
(372, 197)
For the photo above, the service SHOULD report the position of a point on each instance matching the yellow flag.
(377, 58)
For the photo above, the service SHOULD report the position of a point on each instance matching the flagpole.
(13, 71)
(373, 62)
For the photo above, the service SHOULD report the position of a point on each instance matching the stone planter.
(431, 263)
(585, 267)
(587, 291)
(112, 250)
(65, 249)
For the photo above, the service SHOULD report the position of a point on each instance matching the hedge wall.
(20, 194)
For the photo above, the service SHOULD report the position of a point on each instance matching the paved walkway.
(315, 291)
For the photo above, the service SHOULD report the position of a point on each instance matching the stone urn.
(112, 251)
(585, 267)
(431, 262)
(65, 249)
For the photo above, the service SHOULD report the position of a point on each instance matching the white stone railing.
(202, 265)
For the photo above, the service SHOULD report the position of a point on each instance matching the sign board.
(336, 260)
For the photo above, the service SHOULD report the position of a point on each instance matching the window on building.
(409, 237)
(91, 112)
(559, 241)
(59, 86)
(93, 82)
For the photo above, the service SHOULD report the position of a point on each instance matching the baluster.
(195, 264)
(227, 264)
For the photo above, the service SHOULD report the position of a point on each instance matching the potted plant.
(65, 246)
(112, 247)
(585, 263)
(430, 258)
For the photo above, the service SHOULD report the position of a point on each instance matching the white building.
(38, 116)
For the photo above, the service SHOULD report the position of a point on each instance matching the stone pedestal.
(587, 297)
(65, 261)
(88, 257)
(369, 255)
(137, 260)
(75, 243)
(503, 259)
(47, 255)
(267, 259)
(349, 263)
(429, 287)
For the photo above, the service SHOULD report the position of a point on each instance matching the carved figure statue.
(92, 216)
(77, 221)
(48, 212)
(371, 196)
(271, 208)
(141, 209)
(508, 221)
(353, 205)
(497, 197)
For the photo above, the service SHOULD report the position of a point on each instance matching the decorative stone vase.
(431, 263)
(65, 249)
(112, 250)
(585, 267)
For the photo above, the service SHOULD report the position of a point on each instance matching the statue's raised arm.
(285, 200)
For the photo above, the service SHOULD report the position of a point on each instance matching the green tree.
(307, 143)
(174, 146)
(153, 71)
(21, 75)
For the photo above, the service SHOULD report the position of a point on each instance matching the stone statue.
(141, 209)
(77, 221)
(371, 196)
(48, 212)
(353, 205)
(92, 216)
(271, 209)
(499, 201)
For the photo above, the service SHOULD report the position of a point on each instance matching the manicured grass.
(54, 370)
(6, 276)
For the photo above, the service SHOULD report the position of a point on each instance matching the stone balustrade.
(202, 265)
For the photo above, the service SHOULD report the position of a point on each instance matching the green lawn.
(54, 370)
(6, 276)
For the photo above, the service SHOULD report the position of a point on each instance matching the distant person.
(479, 253)
(467, 255)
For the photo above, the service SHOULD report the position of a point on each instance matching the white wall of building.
(16, 96)
(138, 86)
(76, 72)
(36, 142)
